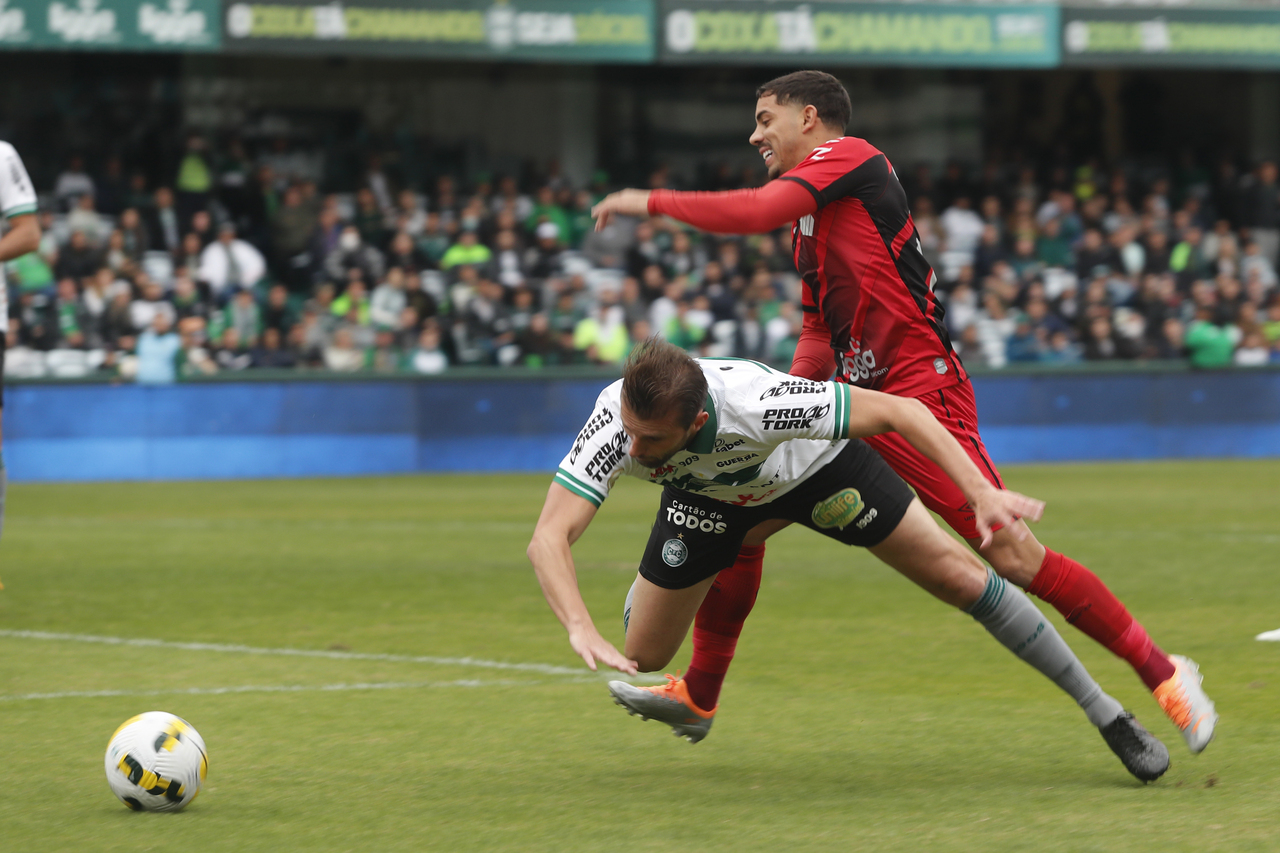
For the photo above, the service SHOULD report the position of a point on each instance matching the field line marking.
(143, 642)
(542, 668)
(1269, 636)
(276, 688)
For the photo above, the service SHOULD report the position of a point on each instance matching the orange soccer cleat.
(1186, 703)
(667, 703)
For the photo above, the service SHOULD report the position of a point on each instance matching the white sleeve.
(17, 195)
(598, 455)
(778, 407)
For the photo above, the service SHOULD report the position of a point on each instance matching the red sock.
(1085, 601)
(719, 623)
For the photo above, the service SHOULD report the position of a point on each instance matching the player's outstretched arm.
(873, 413)
(564, 518)
(23, 237)
(750, 211)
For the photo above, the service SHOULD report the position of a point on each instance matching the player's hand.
(997, 506)
(593, 648)
(621, 203)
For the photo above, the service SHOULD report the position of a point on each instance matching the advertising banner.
(172, 25)
(557, 30)
(1171, 37)
(833, 33)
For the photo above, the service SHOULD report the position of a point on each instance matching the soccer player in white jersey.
(737, 445)
(18, 206)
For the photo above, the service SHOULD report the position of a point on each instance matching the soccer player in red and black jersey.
(871, 317)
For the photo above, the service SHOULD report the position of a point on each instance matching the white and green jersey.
(766, 433)
(17, 196)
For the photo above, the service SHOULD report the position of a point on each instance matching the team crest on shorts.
(838, 510)
(674, 552)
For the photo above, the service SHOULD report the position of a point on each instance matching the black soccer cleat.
(1141, 752)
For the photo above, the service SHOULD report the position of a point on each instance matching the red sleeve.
(753, 211)
(814, 358)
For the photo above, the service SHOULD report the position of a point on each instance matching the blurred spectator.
(544, 260)
(229, 264)
(186, 299)
(244, 318)
(1255, 263)
(164, 230)
(342, 354)
(428, 357)
(488, 323)
(78, 258)
(72, 317)
(369, 219)
(468, 251)
(232, 353)
(150, 302)
(84, 218)
(1210, 344)
(158, 349)
(194, 358)
(72, 183)
(388, 302)
(270, 354)
(353, 253)
(1103, 342)
(1253, 351)
(194, 182)
(404, 254)
(1262, 211)
(602, 335)
(278, 314)
(291, 228)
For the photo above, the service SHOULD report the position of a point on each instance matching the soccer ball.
(156, 762)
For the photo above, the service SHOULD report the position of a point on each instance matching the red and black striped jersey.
(865, 276)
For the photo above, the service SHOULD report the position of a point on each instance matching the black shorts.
(855, 498)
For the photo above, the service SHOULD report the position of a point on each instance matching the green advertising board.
(1171, 37)
(555, 30)
(834, 33)
(172, 25)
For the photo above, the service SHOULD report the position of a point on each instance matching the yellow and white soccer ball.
(156, 762)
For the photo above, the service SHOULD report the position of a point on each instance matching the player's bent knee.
(1017, 561)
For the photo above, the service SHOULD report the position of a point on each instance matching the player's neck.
(813, 140)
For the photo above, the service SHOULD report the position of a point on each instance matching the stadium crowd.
(242, 263)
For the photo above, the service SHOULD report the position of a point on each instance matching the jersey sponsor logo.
(793, 386)
(806, 225)
(797, 418)
(696, 518)
(743, 500)
(598, 421)
(821, 152)
(940, 365)
(838, 510)
(674, 552)
(607, 457)
(737, 460)
(724, 446)
(858, 363)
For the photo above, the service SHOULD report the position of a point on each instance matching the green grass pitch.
(860, 714)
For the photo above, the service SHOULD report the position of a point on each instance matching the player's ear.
(808, 118)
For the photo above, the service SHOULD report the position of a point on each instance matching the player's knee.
(1016, 561)
(649, 660)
